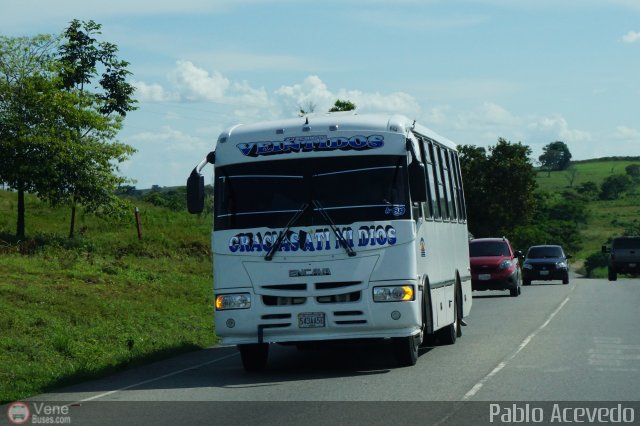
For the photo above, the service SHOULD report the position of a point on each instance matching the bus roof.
(318, 125)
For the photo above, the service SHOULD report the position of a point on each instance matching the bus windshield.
(348, 189)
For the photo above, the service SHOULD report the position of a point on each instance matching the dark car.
(545, 263)
(494, 265)
(624, 256)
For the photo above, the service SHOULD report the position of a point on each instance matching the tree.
(55, 134)
(341, 105)
(30, 111)
(555, 156)
(613, 186)
(308, 108)
(633, 170)
(499, 187)
(569, 210)
(473, 162)
(87, 171)
(571, 175)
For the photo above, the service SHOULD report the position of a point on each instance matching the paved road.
(555, 343)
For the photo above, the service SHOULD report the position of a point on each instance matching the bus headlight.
(398, 293)
(233, 301)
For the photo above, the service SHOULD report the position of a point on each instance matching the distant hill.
(594, 170)
(607, 218)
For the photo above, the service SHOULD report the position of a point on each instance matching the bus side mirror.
(606, 249)
(417, 181)
(195, 192)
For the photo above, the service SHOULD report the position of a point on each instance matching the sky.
(530, 71)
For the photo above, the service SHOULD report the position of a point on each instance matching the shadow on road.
(221, 367)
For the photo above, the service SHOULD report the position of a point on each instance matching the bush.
(613, 186)
(633, 170)
(175, 200)
(594, 261)
(588, 189)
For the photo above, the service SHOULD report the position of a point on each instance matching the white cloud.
(164, 156)
(557, 128)
(436, 115)
(627, 134)
(397, 102)
(151, 92)
(196, 84)
(485, 124)
(190, 83)
(631, 37)
(314, 91)
(311, 91)
(488, 116)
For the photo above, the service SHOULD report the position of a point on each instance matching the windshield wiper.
(339, 236)
(293, 220)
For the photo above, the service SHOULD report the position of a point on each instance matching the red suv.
(495, 265)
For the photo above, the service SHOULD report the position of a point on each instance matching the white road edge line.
(476, 388)
(164, 376)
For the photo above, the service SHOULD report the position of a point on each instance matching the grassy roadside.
(606, 218)
(72, 310)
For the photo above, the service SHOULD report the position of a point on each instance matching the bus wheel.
(458, 312)
(254, 356)
(448, 334)
(406, 350)
(428, 339)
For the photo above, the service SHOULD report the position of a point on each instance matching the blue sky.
(533, 71)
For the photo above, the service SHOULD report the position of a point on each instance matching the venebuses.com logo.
(18, 413)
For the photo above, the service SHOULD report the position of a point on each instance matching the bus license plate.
(484, 277)
(311, 320)
(544, 272)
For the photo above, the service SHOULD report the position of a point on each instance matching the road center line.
(164, 376)
(476, 388)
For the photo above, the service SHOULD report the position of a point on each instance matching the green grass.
(606, 218)
(73, 310)
(595, 171)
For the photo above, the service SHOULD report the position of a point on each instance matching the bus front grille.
(354, 296)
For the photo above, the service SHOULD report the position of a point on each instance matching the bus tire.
(613, 274)
(459, 309)
(428, 337)
(448, 334)
(254, 356)
(406, 350)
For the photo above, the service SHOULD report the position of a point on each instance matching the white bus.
(336, 227)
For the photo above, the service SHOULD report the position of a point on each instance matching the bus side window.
(428, 205)
(442, 185)
(462, 207)
(452, 185)
(433, 181)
